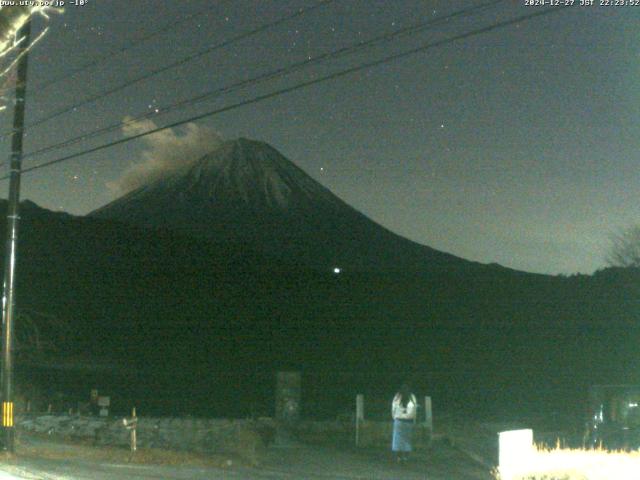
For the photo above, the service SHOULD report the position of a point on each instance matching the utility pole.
(10, 257)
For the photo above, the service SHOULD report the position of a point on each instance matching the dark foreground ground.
(441, 462)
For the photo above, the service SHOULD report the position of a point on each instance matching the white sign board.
(516, 453)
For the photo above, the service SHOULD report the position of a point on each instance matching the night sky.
(518, 146)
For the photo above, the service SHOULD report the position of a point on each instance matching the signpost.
(131, 424)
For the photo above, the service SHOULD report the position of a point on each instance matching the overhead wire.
(168, 67)
(279, 72)
(301, 85)
(44, 85)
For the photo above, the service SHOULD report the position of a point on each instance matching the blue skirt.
(402, 436)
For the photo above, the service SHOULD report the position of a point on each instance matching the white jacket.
(400, 412)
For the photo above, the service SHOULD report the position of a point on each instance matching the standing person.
(403, 412)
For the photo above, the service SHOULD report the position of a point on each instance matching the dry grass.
(578, 464)
(44, 447)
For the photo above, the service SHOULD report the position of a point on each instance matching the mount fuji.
(247, 193)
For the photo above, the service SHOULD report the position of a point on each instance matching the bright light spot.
(12, 20)
(591, 464)
(337, 270)
(515, 452)
(519, 458)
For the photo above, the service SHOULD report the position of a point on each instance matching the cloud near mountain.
(166, 152)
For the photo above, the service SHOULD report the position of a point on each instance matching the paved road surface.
(293, 462)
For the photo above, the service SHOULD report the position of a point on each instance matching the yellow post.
(7, 414)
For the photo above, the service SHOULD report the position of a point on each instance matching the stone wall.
(246, 437)
(243, 437)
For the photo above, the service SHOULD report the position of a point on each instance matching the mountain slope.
(246, 192)
(178, 314)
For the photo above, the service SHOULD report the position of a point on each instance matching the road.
(291, 462)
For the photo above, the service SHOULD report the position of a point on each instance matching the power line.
(182, 61)
(42, 86)
(283, 71)
(301, 85)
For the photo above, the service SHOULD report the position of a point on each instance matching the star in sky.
(485, 91)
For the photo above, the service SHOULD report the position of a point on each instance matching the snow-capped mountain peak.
(247, 191)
